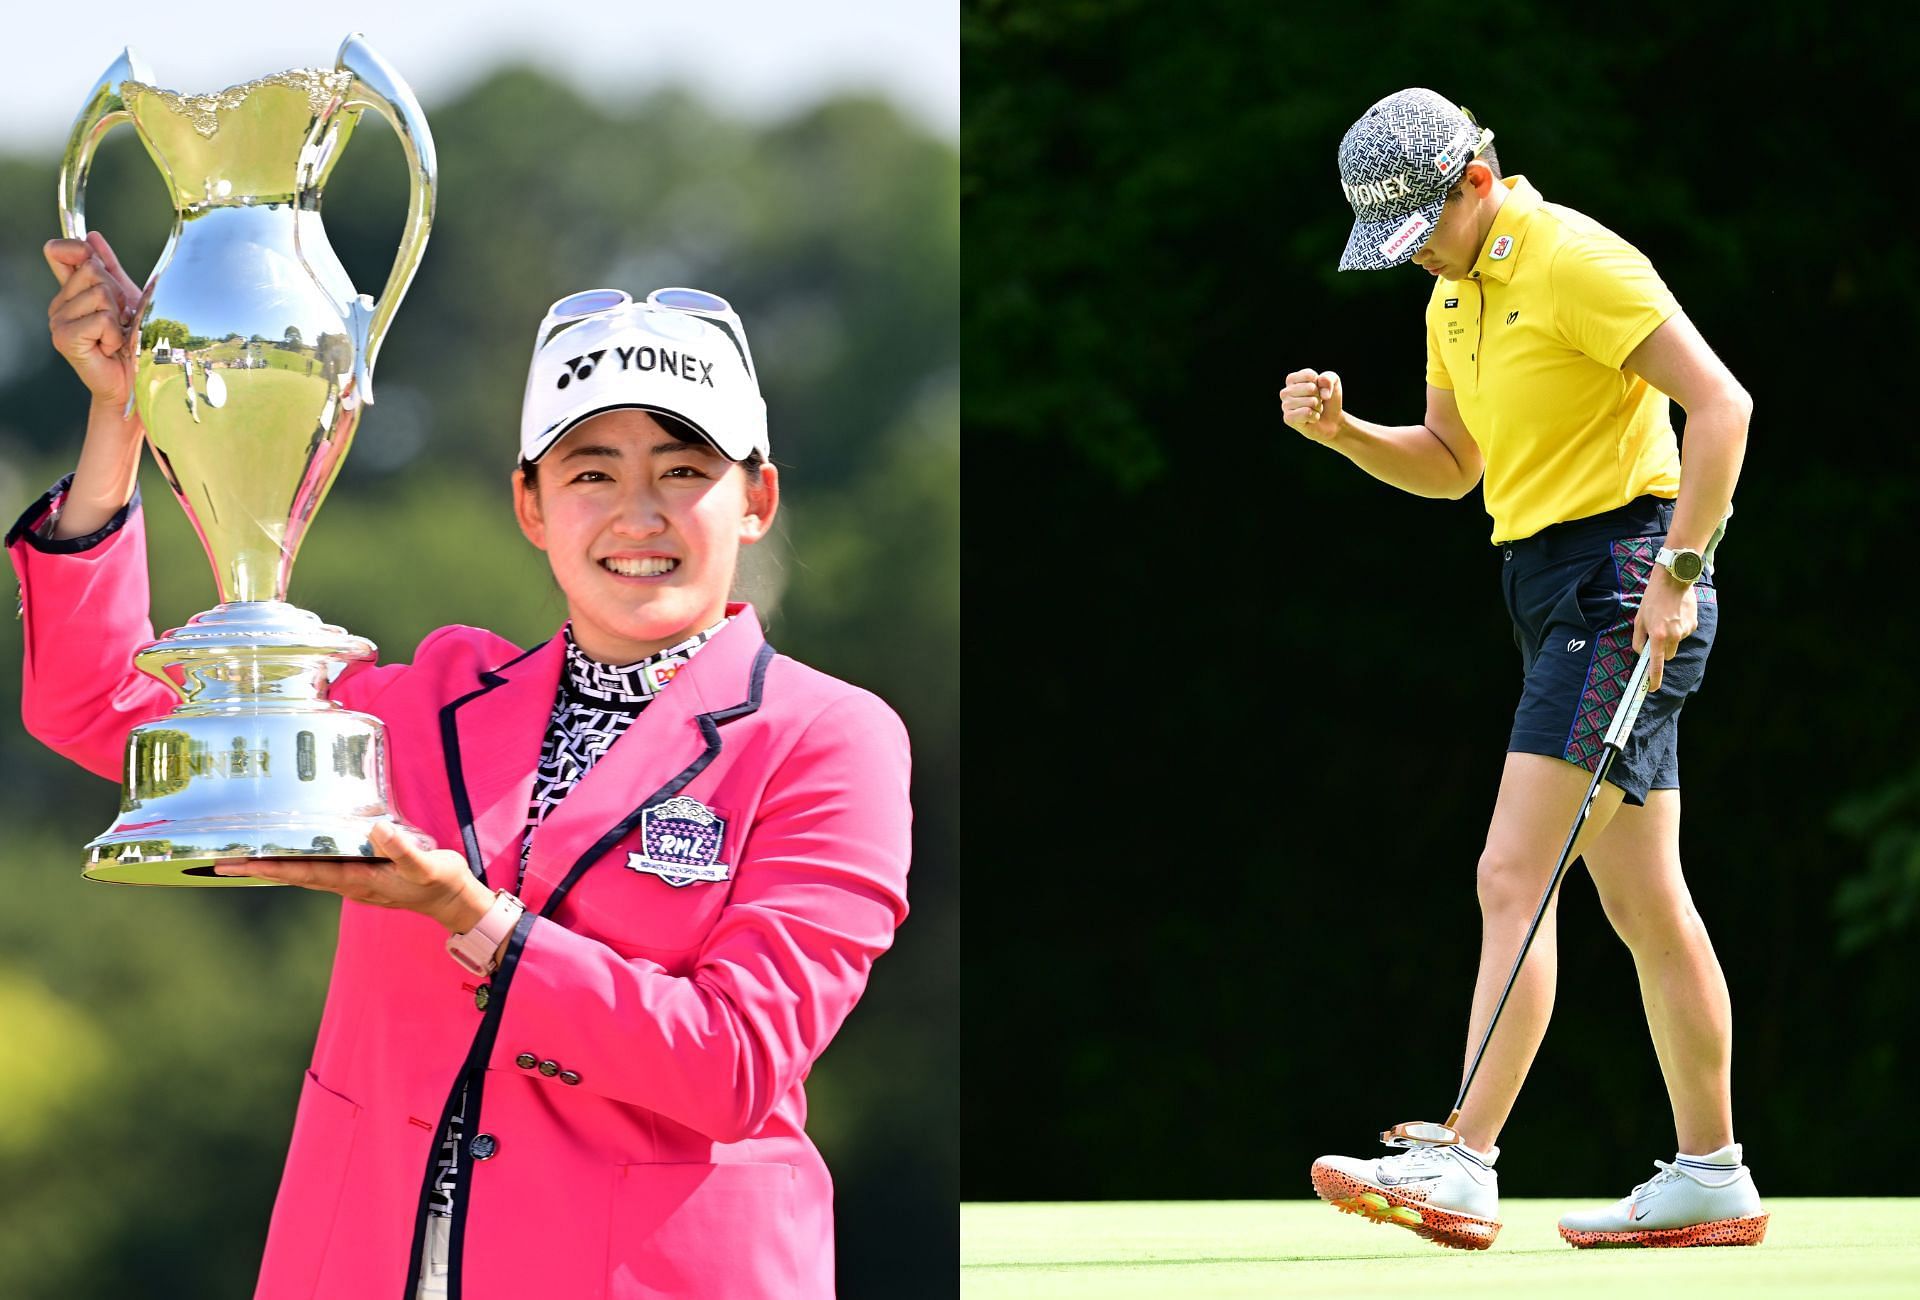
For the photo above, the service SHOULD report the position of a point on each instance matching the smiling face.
(1460, 233)
(643, 531)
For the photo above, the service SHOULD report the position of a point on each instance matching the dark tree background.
(1223, 916)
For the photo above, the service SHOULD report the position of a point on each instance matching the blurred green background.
(1239, 922)
(151, 1042)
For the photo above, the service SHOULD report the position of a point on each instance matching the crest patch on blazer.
(680, 843)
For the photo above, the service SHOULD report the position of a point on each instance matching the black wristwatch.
(1685, 564)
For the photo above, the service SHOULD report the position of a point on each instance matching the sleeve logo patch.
(1404, 238)
(680, 843)
(1451, 303)
(1502, 248)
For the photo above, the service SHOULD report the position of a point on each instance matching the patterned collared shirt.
(593, 707)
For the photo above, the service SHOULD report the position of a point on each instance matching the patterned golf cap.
(1396, 165)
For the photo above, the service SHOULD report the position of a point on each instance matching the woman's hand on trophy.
(91, 317)
(416, 877)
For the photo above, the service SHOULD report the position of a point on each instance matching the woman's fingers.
(65, 256)
(128, 289)
(1300, 403)
(68, 257)
(84, 278)
(98, 330)
(93, 318)
(98, 296)
(372, 883)
(309, 873)
(408, 853)
(90, 288)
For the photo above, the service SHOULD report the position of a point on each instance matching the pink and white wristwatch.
(474, 950)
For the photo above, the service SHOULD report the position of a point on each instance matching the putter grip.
(1625, 712)
(1628, 710)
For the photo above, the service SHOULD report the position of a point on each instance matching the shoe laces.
(1668, 1174)
(1422, 1155)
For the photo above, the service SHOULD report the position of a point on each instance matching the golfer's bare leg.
(1635, 866)
(1539, 798)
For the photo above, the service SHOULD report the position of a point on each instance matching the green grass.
(1198, 1250)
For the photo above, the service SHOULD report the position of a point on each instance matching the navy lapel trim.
(478, 1054)
(480, 1050)
(473, 1074)
(710, 724)
(450, 752)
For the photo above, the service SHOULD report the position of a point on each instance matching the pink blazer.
(662, 1153)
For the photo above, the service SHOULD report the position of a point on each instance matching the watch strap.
(1667, 555)
(474, 950)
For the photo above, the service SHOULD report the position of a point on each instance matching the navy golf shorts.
(1572, 591)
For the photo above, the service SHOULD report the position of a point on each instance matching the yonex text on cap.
(1396, 165)
(639, 356)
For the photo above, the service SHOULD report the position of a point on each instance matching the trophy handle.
(104, 110)
(377, 86)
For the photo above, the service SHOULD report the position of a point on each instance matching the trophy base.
(256, 762)
(185, 855)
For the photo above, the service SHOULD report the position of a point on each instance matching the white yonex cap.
(1396, 165)
(639, 356)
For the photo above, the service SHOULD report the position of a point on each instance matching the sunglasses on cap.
(1479, 146)
(576, 307)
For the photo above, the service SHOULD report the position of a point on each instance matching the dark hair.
(530, 470)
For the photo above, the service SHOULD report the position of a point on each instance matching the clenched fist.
(91, 316)
(1311, 402)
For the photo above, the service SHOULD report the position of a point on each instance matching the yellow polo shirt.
(1531, 343)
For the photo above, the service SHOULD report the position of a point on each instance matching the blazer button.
(480, 996)
(568, 1076)
(525, 1060)
(483, 1146)
(549, 1068)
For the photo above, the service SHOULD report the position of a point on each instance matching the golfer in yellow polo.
(1553, 348)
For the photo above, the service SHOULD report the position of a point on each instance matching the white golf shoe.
(1450, 1195)
(1705, 1200)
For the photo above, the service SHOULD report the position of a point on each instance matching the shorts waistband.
(1647, 516)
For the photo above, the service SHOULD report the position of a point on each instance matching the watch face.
(1686, 566)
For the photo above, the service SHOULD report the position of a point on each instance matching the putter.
(1426, 1132)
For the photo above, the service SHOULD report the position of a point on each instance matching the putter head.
(1420, 1133)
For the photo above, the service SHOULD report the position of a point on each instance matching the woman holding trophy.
(564, 1041)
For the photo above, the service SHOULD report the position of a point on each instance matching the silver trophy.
(253, 358)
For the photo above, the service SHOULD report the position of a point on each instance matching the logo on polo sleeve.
(680, 842)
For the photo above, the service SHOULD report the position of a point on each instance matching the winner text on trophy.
(253, 358)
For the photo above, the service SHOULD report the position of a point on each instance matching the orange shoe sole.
(1750, 1231)
(1384, 1205)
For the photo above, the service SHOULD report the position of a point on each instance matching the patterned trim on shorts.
(1612, 662)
